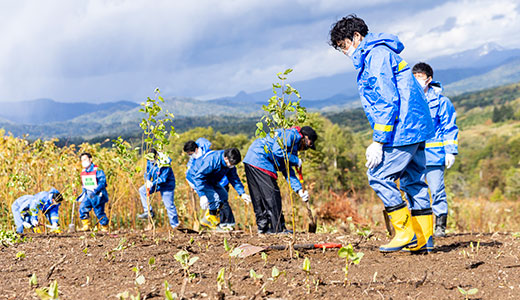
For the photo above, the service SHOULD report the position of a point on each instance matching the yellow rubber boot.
(103, 228)
(85, 225)
(423, 227)
(210, 221)
(404, 233)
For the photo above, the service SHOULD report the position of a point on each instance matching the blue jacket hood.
(372, 40)
(203, 144)
(437, 88)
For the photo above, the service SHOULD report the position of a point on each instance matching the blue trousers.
(93, 202)
(435, 180)
(168, 198)
(408, 164)
(218, 199)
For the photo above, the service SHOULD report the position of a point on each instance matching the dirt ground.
(94, 267)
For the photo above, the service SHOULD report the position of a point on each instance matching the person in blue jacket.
(25, 210)
(264, 159)
(442, 148)
(159, 177)
(398, 112)
(94, 195)
(206, 174)
(195, 150)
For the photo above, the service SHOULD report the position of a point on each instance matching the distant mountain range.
(485, 67)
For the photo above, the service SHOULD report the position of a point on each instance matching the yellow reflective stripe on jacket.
(451, 142)
(436, 144)
(401, 66)
(385, 128)
(55, 218)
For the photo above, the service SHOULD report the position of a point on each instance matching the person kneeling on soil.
(207, 173)
(94, 195)
(25, 210)
(159, 178)
(263, 160)
(196, 149)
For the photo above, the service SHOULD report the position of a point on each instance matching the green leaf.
(151, 261)
(343, 252)
(33, 281)
(306, 265)
(462, 291)
(287, 71)
(473, 291)
(275, 272)
(193, 260)
(53, 290)
(226, 245)
(236, 252)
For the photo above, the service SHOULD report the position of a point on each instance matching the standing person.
(25, 210)
(263, 160)
(442, 148)
(159, 178)
(195, 150)
(94, 195)
(206, 174)
(397, 110)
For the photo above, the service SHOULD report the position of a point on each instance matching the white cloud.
(110, 50)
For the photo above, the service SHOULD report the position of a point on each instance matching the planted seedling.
(467, 293)
(350, 257)
(275, 273)
(264, 257)
(49, 293)
(33, 281)
(255, 276)
(221, 280)
(183, 257)
(151, 262)
(20, 255)
(168, 295)
(307, 269)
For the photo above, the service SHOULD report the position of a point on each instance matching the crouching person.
(25, 210)
(206, 175)
(94, 195)
(159, 178)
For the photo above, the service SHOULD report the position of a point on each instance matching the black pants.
(266, 199)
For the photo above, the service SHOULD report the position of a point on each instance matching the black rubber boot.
(440, 226)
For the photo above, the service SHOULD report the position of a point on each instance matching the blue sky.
(100, 51)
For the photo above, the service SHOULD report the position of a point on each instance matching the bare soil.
(488, 262)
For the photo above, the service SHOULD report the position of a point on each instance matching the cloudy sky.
(110, 50)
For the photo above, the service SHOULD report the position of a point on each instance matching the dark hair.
(310, 134)
(87, 154)
(345, 28)
(233, 155)
(423, 67)
(154, 152)
(58, 197)
(190, 146)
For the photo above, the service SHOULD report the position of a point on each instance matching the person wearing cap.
(206, 174)
(94, 195)
(442, 148)
(264, 159)
(159, 177)
(398, 112)
(195, 150)
(25, 210)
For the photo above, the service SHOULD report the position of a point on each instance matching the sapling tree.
(282, 112)
(351, 257)
(155, 132)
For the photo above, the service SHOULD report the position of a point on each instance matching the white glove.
(304, 195)
(26, 225)
(149, 184)
(204, 203)
(374, 155)
(300, 162)
(246, 198)
(449, 160)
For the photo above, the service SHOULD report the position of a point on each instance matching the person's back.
(399, 120)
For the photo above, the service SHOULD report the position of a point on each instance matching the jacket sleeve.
(450, 131)
(163, 176)
(290, 147)
(101, 181)
(292, 179)
(199, 177)
(233, 178)
(384, 96)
